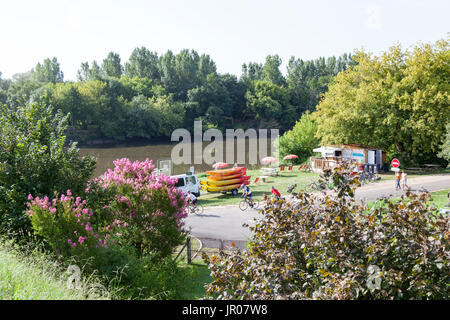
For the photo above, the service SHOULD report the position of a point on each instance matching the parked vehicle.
(188, 182)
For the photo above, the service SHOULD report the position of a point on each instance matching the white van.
(188, 182)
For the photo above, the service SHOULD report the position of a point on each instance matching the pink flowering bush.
(148, 210)
(68, 225)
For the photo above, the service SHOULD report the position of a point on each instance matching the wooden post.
(188, 249)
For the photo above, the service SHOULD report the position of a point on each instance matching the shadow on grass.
(197, 275)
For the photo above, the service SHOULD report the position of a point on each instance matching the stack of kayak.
(225, 179)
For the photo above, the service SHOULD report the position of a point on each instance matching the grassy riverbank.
(281, 182)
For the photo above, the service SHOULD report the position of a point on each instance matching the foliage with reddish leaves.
(325, 246)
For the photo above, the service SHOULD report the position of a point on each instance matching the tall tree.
(309, 80)
(142, 64)
(206, 66)
(111, 65)
(268, 101)
(48, 72)
(86, 73)
(187, 66)
(167, 69)
(271, 70)
(95, 72)
(252, 71)
(83, 72)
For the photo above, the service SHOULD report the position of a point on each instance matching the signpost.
(395, 163)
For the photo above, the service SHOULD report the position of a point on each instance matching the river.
(162, 151)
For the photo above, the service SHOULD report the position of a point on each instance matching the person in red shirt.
(276, 193)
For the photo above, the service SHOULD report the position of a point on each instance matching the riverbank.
(280, 182)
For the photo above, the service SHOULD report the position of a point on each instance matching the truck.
(188, 182)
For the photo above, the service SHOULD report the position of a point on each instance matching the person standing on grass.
(404, 180)
(398, 177)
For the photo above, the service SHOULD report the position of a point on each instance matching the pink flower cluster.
(68, 213)
(136, 180)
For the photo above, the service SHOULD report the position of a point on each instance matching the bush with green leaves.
(151, 206)
(35, 159)
(69, 226)
(329, 246)
(301, 140)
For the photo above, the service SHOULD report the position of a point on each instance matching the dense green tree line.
(150, 95)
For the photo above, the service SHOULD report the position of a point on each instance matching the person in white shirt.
(404, 180)
(192, 198)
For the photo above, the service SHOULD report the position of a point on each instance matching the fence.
(188, 247)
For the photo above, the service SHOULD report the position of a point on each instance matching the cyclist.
(247, 193)
(192, 198)
(276, 193)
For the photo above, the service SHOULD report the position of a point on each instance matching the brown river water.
(162, 151)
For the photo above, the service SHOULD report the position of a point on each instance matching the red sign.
(395, 163)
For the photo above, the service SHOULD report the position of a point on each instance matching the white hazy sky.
(232, 32)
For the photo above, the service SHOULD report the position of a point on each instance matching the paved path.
(221, 225)
(385, 188)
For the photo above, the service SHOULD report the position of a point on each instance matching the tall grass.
(33, 275)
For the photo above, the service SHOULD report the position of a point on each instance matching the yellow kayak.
(226, 182)
(223, 188)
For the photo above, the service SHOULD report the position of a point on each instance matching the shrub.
(150, 205)
(301, 140)
(35, 160)
(331, 247)
(141, 277)
(68, 226)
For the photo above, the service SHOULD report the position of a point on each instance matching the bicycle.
(291, 188)
(197, 208)
(316, 186)
(248, 202)
(367, 177)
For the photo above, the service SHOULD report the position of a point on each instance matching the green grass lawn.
(281, 182)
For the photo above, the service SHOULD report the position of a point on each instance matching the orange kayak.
(220, 178)
(226, 172)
